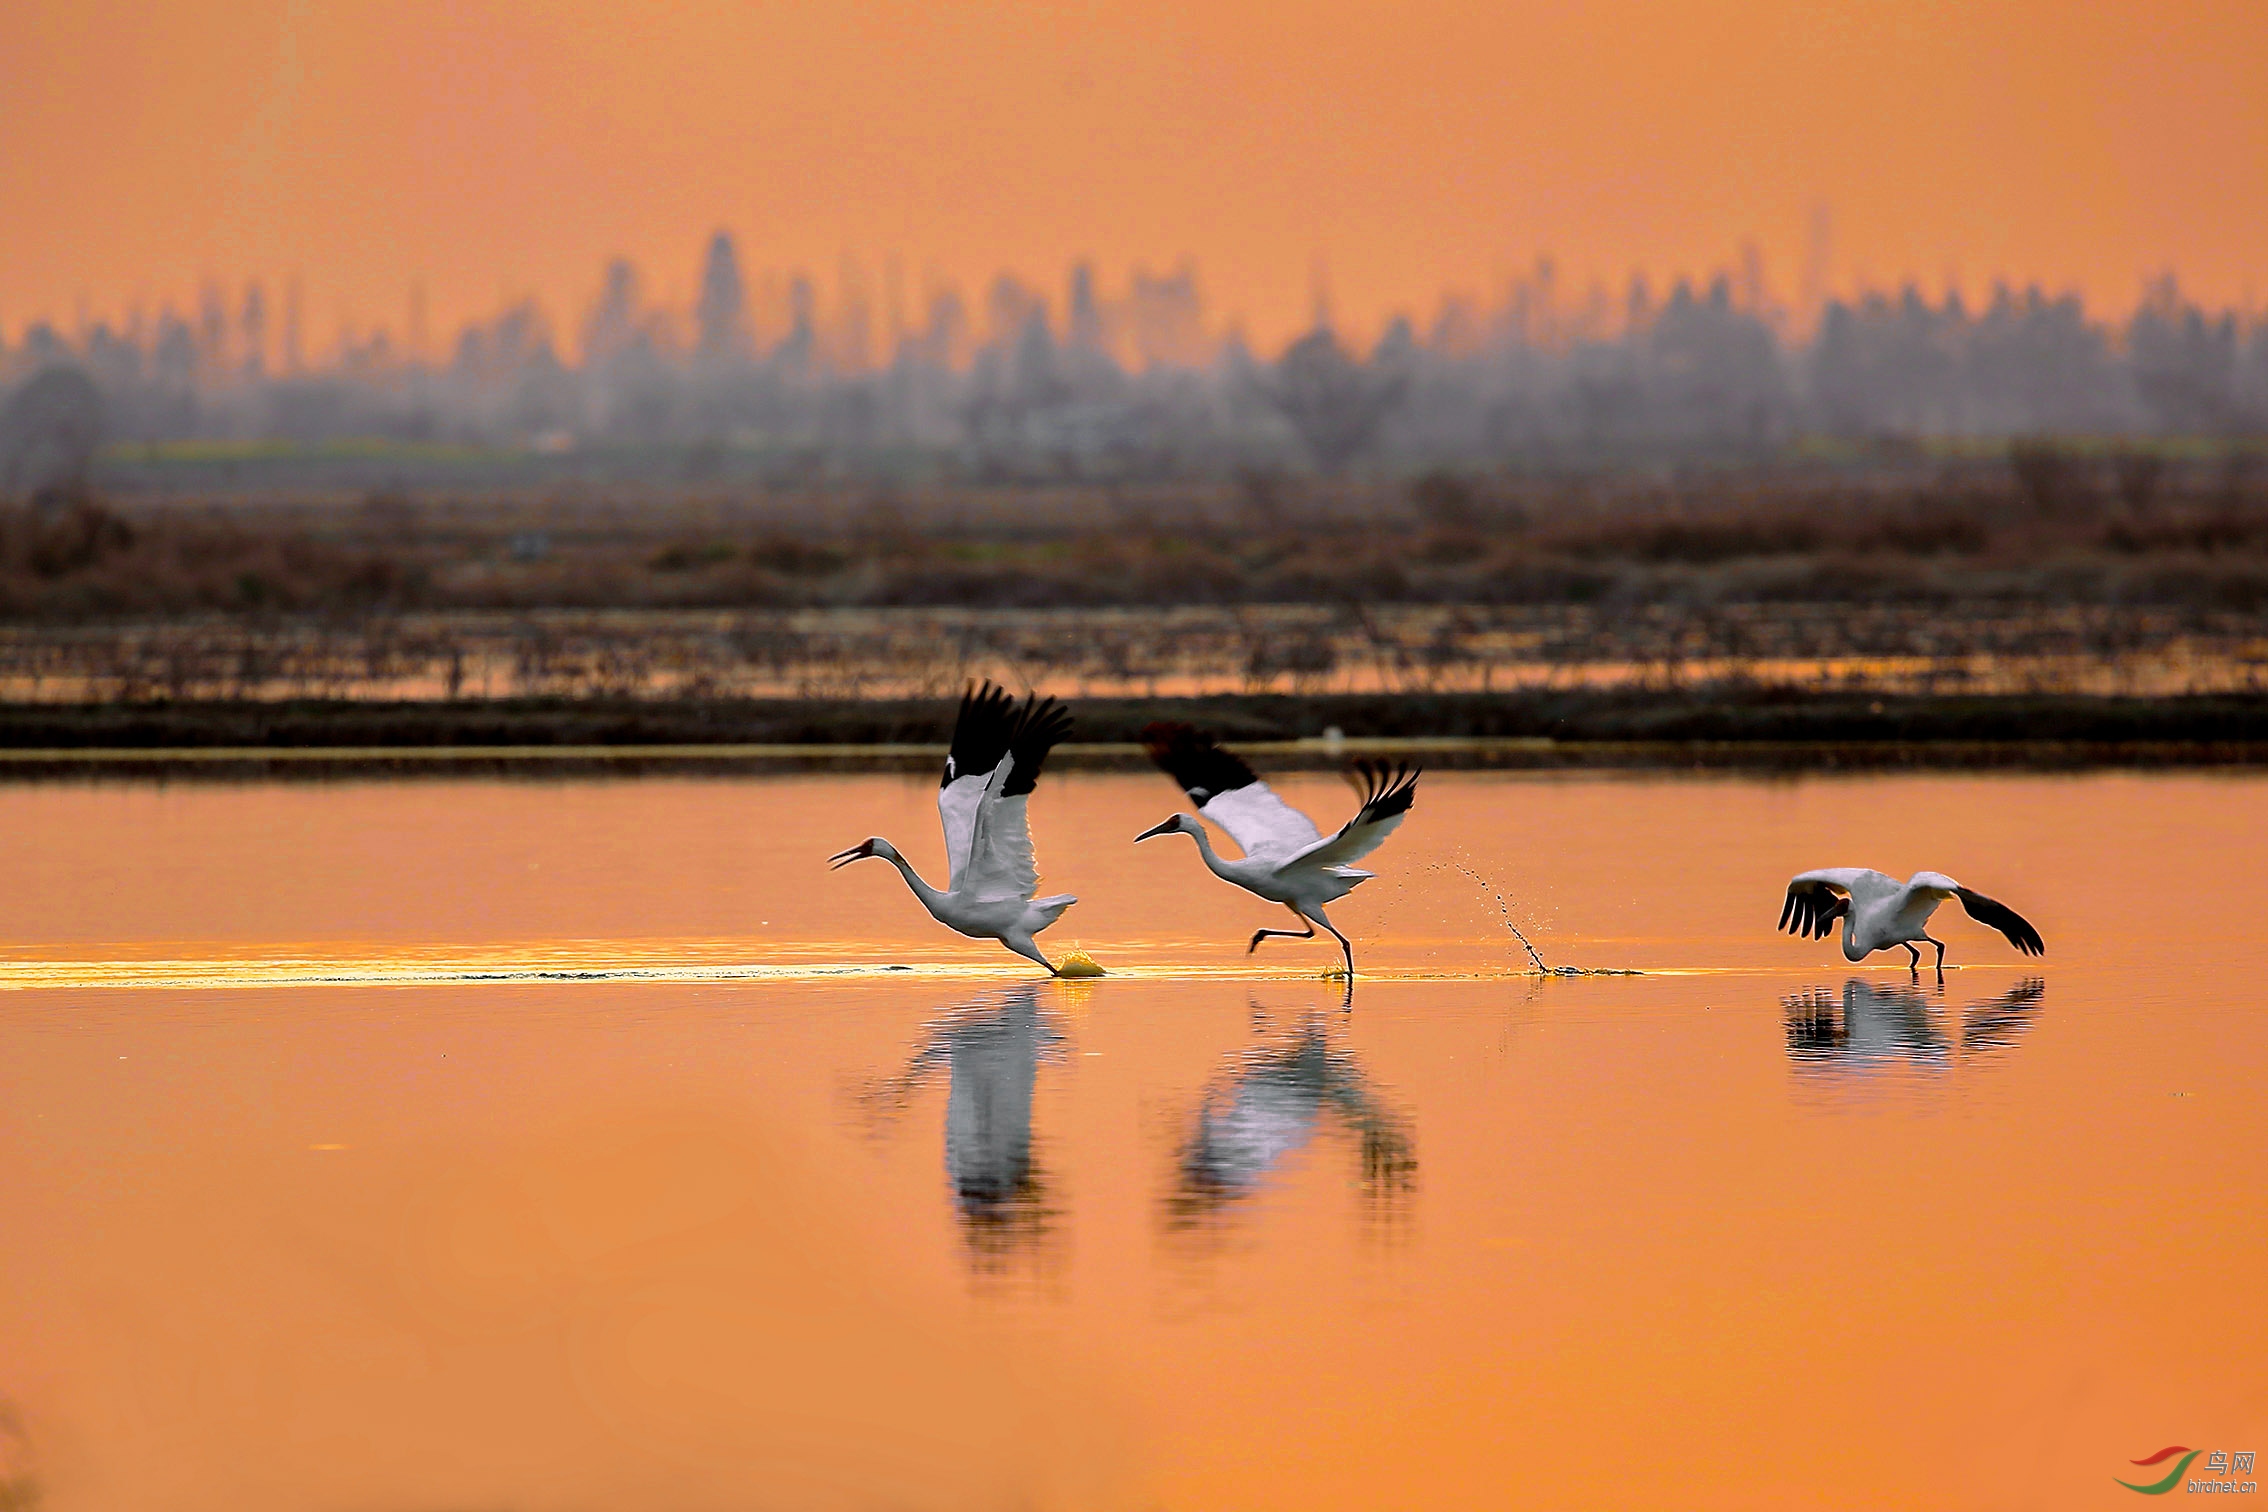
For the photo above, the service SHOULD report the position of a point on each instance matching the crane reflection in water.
(1871, 1025)
(990, 1050)
(1268, 1105)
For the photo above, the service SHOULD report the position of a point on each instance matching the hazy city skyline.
(720, 299)
(1085, 375)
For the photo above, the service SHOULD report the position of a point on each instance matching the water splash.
(1504, 913)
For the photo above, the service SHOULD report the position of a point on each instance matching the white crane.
(998, 746)
(1880, 911)
(1286, 858)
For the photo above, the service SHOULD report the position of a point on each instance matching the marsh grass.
(2061, 571)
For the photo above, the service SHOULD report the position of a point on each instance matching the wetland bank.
(1938, 606)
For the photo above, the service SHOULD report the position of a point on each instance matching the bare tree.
(1336, 404)
(50, 430)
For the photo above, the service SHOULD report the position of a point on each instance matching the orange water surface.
(565, 1145)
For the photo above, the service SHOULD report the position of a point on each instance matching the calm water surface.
(527, 1145)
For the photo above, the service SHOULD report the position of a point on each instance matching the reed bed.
(2043, 572)
(1187, 651)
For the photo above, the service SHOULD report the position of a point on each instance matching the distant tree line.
(1136, 385)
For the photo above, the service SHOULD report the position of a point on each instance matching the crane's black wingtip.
(991, 725)
(1385, 790)
(1192, 758)
(1811, 910)
(1041, 724)
(1994, 914)
(982, 728)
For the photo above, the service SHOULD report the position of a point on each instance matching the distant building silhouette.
(720, 315)
(1135, 379)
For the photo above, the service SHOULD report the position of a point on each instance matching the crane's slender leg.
(1346, 947)
(1915, 964)
(1288, 934)
(1940, 944)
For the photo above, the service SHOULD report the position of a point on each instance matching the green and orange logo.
(2173, 1476)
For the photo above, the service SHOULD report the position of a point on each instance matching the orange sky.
(491, 149)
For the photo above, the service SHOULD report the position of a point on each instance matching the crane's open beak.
(1166, 828)
(858, 852)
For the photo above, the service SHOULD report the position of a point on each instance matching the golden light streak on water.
(644, 961)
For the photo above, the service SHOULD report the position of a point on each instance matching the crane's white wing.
(957, 803)
(999, 746)
(1386, 799)
(1262, 824)
(1230, 793)
(1001, 864)
(982, 731)
(1919, 898)
(1862, 883)
(1932, 888)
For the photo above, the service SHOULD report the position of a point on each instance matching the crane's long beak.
(1166, 828)
(841, 859)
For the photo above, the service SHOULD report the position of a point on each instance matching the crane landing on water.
(998, 748)
(1879, 911)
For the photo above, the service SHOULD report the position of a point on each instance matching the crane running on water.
(1880, 911)
(1286, 858)
(998, 747)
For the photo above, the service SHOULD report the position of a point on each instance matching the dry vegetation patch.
(2064, 571)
